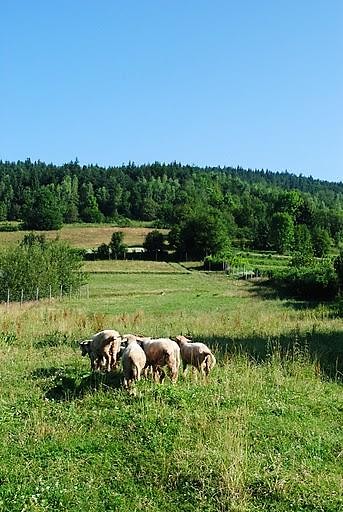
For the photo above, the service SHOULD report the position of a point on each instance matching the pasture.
(263, 434)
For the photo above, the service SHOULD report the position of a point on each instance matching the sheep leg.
(99, 363)
(161, 374)
(113, 361)
(93, 365)
(173, 374)
(136, 373)
(107, 362)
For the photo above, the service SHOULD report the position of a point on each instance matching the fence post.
(87, 291)
(37, 294)
(8, 297)
(50, 292)
(61, 291)
(21, 297)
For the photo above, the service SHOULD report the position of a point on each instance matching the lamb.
(196, 354)
(162, 352)
(133, 361)
(102, 349)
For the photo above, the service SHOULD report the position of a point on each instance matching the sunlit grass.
(84, 236)
(263, 433)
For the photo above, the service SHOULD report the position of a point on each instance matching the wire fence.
(22, 296)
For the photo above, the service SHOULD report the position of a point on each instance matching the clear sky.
(256, 83)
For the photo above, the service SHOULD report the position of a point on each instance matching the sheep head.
(180, 340)
(84, 347)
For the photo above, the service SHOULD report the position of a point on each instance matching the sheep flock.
(145, 356)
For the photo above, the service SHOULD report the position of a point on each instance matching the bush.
(315, 282)
(48, 266)
(219, 261)
(103, 252)
(8, 227)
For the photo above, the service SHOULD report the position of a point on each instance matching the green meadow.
(263, 433)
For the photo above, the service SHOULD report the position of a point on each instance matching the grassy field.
(84, 236)
(263, 434)
(133, 266)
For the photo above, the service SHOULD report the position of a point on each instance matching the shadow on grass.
(61, 384)
(325, 349)
(268, 290)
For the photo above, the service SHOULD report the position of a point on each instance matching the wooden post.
(8, 297)
(21, 297)
(37, 293)
(50, 292)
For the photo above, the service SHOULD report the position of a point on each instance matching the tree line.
(255, 208)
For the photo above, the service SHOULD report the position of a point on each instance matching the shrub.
(103, 252)
(8, 227)
(219, 261)
(315, 282)
(50, 266)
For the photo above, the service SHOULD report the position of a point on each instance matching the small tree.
(154, 244)
(116, 245)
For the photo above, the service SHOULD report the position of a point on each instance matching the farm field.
(263, 434)
(133, 266)
(84, 236)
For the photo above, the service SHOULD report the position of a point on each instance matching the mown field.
(84, 236)
(263, 434)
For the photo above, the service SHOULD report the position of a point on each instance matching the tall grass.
(263, 433)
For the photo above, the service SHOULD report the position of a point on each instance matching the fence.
(19, 297)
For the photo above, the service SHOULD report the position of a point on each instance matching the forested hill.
(247, 199)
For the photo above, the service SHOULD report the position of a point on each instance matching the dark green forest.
(258, 208)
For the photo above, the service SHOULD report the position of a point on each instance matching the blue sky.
(251, 83)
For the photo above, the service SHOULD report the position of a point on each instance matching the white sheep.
(133, 361)
(161, 352)
(102, 349)
(196, 354)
